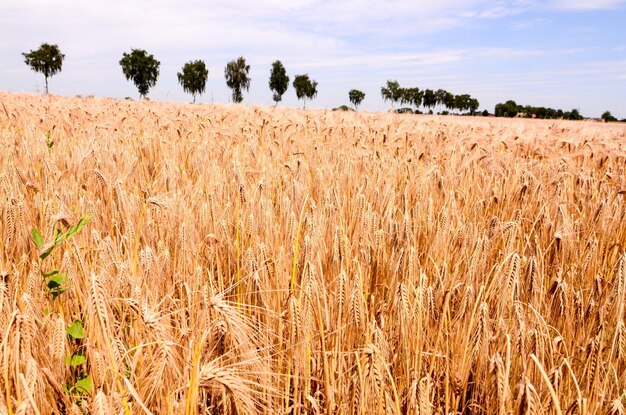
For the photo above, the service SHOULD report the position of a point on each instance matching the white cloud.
(586, 5)
(340, 42)
(90, 26)
(526, 24)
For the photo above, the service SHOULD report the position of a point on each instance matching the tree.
(193, 78)
(356, 97)
(279, 81)
(448, 100)
(305, 88)
(140, 68)
(440, 96)
(507, 109)
(237, 79)
(412, 96)
(473, 105)
(608, 117)
(573, 115)
(429, 99)
(461, 102)
(391, 92)
(465, 102)
(47, 60)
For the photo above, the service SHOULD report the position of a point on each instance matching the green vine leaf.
(37, 238)
(50, 273)
(47, 252)
(84, 385)
(76, 330)
(75, 360)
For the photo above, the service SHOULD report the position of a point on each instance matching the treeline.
(427, 99)
(512, 109)
(143, 70)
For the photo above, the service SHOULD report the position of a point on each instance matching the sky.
(555, 53)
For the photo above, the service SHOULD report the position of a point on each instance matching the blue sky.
(557, 53)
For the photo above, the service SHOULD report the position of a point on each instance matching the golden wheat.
(264, 260)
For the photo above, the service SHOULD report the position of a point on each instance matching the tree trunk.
(46, 84)
(194, 98)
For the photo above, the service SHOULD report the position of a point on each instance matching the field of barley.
(160, 258)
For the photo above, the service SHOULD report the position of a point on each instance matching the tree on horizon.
(47, 59)
(356, 97)
(193, 78)
(429, 99)
(305, 87)
(279, 81)
(140, 68)
(413, 96)
(391, 92)
(237, 78)
(608, 117)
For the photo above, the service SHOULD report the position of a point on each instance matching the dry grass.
(245, 261)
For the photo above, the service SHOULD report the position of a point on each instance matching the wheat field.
(241, 260)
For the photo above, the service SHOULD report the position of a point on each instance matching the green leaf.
(76, 330)
(47, 252)
(82, 222)
(55, 284)
(56, 281)
(57, 291)
(37, 238)
(75, 360)
(73, 230)
(58, 237)
(70, 232)
(84, 385)
(50, 273)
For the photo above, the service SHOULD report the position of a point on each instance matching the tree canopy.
(356, 97)
(305, 87)
(391, 92)
(428, 98)
(507, 109)
(574, 114)
(445, 98)
(237, 78)
(412, 96)
(140, 68)
(511, 109)
(47, 60)
(608, 117)
(465, 102)
(279, 81)
(193, 78)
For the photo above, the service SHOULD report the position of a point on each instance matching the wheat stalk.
(258, 260)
